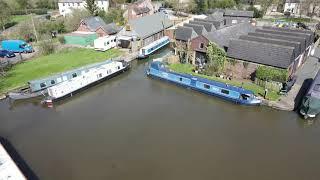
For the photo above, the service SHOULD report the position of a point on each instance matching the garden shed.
(81, 38)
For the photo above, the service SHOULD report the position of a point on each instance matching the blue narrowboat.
(232, 93)
(151, 48)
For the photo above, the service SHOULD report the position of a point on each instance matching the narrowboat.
(232, 93)
(90, 78)
(39, 87)
(154, 46)
(310, 105)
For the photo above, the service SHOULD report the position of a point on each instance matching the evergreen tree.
(92, 7)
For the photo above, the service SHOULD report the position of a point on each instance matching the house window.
(99, 75)
(201, 45)
(206, 86)
(224, 91)
(74, 75)
(78, 4)
(63, 4)
(53, 82)
(42, 85)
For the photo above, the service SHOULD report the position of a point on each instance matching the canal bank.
(137, 128)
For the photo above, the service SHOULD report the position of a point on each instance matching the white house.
(292, 6)
(66, 6)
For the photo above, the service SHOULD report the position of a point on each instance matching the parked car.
(5, 53)
(17, 46)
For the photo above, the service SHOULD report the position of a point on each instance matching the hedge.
(34, 11)
(271, 74)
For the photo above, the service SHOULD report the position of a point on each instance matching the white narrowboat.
(89, 78)
(105, 43)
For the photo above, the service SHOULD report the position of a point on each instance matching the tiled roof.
(151, 24)
(307, 37)
(217, 24)
(222, 36)
(93, 23)
(185, 33)
(283, 37)
(261, 53)
(199, 29)
(296, 45)
(238, 13)
(209, 26)
(291, 30)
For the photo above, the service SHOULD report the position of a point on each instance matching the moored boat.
(92, 77)
(232, 93)
(154, 46)
(310, 105)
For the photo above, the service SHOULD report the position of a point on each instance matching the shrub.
(46, 47)
(61, 39)
(34, 11)
(256, 13)
(271, 74)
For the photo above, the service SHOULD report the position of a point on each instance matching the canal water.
(136, 128)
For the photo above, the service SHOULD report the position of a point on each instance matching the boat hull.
(90, 85)
(195, 88)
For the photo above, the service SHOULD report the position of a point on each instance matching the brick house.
(139, 9)
(97, 25)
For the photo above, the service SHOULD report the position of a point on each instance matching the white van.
(104, 43)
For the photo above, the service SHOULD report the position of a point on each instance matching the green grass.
(44, 66)
(19, 18)
(258, 90)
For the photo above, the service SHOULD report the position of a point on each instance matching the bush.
(33, 11)
(61, 39)
(256, 13)
(271, 74)
(72, 21)
(46, 47)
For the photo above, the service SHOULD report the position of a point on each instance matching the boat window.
(224, 91)
(74, 75)
(118, 67)
(245, 96)
(180, 79)
(206, 86)
(100, 75)
(53, 82)
(42, 85)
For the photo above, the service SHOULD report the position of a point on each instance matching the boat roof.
(314, 89)
(70, 72)
(156, 42)
(204, 80)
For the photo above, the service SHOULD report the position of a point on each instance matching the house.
(97, 25)
(143, 31)
(292, 6)
(66, 6)
(276, 47)
(229, 17)
(139, 9)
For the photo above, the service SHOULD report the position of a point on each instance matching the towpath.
(304, 75)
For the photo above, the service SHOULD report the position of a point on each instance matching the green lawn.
(19, 18)
(290, 19)
(44, 66)
(258, 90)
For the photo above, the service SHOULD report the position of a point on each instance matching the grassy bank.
(258, 90)
(44, 66)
